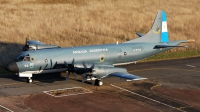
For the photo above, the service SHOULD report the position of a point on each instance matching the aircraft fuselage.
(49, 60)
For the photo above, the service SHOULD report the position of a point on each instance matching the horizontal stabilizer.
(139, 34)
(126, 76)
(166, 46)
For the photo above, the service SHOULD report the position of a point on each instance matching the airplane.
(97, 61)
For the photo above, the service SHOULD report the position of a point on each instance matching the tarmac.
(152, 94)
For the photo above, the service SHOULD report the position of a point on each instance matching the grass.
(91, 22)
(174, 55)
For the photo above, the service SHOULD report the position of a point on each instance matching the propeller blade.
(67, 77)
(66, 65)
(92, 67)
(70, 67)
(40, 68)
(74, 74)
(83, 78)
(73, 61)
(88, 69)
(84, 65)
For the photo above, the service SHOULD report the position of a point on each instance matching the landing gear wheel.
(29, 80)
(99, 82)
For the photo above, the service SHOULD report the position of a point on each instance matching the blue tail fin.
(164, 36)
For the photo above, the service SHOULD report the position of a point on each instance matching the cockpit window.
(19, 58)
(27, 58)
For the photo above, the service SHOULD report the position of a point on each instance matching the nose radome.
(12, 67)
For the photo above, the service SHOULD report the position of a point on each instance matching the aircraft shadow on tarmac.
(45, 78)
(8, 53)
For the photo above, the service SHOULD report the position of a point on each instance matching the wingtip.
(137, 79)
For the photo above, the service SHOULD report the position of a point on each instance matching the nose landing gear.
(29, 80)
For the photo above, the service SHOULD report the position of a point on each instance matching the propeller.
(70, 69)
(40, 68)
(88, 72)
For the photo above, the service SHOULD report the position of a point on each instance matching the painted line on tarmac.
(12, 84)
(6, 108)
(147, 98)
(18, 83)
(87, 91)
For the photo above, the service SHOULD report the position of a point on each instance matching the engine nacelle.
(101, 72)
(98, 71)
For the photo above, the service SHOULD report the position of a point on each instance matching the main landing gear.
(98, 82)
(29, 80)
(94, 80)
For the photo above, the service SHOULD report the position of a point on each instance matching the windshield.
(27, 58)
(21, 57)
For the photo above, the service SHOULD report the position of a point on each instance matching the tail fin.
(158, 31)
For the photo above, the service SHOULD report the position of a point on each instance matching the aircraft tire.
(29, 80)
(99, 83)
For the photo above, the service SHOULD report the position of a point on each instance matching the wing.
(126, 76)
(99, 70)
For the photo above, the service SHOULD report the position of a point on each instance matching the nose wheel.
(29, 80)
